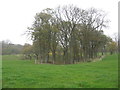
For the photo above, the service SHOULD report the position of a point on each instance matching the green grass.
(25, 74)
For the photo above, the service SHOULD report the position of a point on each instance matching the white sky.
(17, 15)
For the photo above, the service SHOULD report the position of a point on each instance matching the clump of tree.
(112, 47)
(71, 34)
(27, 51)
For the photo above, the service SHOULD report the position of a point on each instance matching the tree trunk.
(54, 56)
(47, 60)
(65, 55)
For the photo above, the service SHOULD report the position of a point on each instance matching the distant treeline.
(9, 48)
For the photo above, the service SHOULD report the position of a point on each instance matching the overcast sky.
(17, 15)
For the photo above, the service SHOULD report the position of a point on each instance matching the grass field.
(25, 74)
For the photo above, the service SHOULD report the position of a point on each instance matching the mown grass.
(25, 74)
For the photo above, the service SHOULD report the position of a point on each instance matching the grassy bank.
(25, 74)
